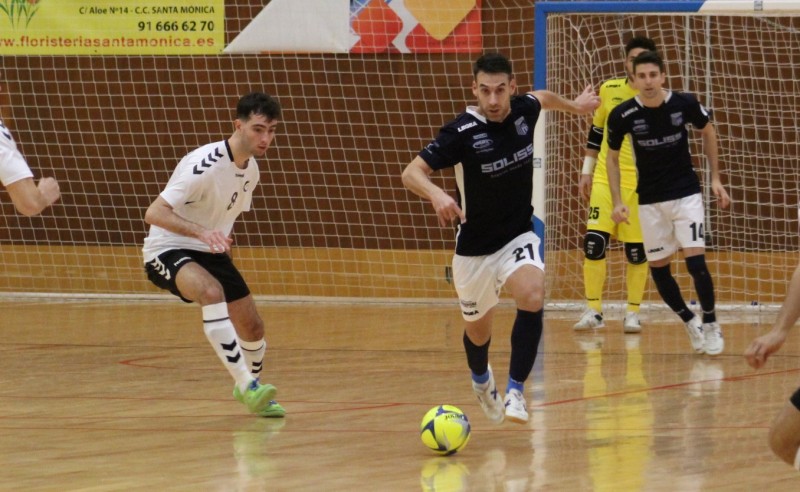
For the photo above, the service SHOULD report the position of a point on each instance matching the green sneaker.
(273, 411)
(256, 397)
(256, 404)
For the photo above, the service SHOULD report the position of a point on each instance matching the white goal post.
(741, 58)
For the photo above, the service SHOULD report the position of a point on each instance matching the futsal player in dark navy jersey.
(671, 209)
(495, 173)
(490, 146)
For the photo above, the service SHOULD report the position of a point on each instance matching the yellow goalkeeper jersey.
(613, 92)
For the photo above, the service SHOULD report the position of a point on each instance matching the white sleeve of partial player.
(12, 165)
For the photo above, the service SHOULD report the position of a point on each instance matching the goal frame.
(542, 11)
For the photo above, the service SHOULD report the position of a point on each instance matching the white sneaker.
(489, 399)
(713, 343)
(516, 410)
(632, 323)
(590, 319)
(694, 328)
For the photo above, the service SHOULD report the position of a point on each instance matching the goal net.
(331, 218)
(743, 65)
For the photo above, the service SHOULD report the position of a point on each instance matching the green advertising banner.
(112, 27)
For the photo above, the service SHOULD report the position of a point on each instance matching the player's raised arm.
(416, 178)
(585, 103)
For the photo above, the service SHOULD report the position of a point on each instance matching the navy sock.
(670, 291)
(525, 336)
(703, 285)
(512, 384)
(477, 359)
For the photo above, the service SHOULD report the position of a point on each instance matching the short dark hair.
(639, 42)
(492, 63)
(648, 57)
(258, 103)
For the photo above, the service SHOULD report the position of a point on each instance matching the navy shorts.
(163, 269)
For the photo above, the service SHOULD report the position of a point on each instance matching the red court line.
(663, 387)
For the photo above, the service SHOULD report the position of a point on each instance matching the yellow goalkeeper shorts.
(601, 206)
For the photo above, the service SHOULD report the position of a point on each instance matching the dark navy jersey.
(660, 143)
(494, 173)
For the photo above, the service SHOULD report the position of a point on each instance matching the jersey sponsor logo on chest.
(640, 126)
(482, 142)
(657, 142)
(521, 155)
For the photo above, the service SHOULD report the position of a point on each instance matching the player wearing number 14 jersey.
(671, 209)
(490, 147)
(600, 228)
(187, 251)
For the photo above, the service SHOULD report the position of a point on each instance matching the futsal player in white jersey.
(187, 250)
(28, 198)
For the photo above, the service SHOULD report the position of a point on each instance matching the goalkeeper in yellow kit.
(593, 186)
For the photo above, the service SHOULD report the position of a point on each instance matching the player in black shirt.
(670, 204)
(491, 147)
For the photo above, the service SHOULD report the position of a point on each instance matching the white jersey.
(206, 188)
(12, 165)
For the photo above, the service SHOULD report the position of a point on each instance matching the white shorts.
(478, 279)
(666, 226)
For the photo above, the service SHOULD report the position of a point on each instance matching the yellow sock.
(594, 277)
(636, 278)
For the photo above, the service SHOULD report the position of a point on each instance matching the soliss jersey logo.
(658, 142)
(507, 161)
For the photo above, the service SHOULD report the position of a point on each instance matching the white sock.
(220, 332)
(254, 355)
(797, 460)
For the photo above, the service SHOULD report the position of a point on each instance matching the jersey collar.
(473, 110)
(228, 148)
(665, 101)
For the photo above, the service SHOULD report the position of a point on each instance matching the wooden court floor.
(119, 396)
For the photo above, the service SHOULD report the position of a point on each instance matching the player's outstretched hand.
(721, 194)
(216, 241)
(762, 347)
(585, 186)
(620, 214)
(447, 209)
(588, 101)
